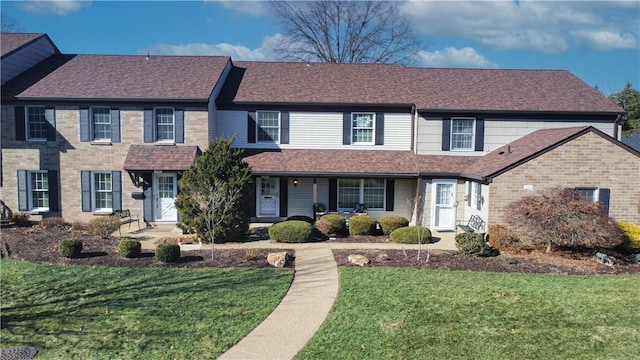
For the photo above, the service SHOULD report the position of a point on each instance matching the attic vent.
(505, 153)
(147, 58)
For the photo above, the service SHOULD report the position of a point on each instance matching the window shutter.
(23, 186)
(380, 128)
(115, 125)
(333, 194)
(390, 195)
(148, 125)
(251, 127)
(346, 128)
(284, 127)
(284, 196)
(21, 130)
(116, 190)
(85, 183)
(179, 128)
(50, 116)
(479, 135)
(85, 127)
(147, 203)
(469, 193)
(54, 204)
(446, 134)
(604, 196)
(479, 199)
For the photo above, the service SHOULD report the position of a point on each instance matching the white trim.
(30, 191)
(259, 196)
(473, 134)
(173, 125)
(258, 141)
(156, 198)
(434, 187)
(373, 128)
(94, 208)
(361, 194)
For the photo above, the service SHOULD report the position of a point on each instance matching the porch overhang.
(160, 157)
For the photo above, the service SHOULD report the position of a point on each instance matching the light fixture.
(295, 182)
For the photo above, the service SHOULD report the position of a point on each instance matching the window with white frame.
(101, 122)
(102, 192)
(165, 124)
(36, 123)
(477, 195)
(370, 192)
(362, 128)
(462, 133)
(588, 194)
(268, 123)
(39, 190)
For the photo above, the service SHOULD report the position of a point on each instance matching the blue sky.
(599, 41)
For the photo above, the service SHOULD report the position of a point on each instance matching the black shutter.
(284, 127)
(115, 125)
(479, 135)
(390, 195)
(85, 127)
(284, 196)
(179, 129)
(604, 197)
(333, 194)
(85, 184)
(147, 203)
(21, 130)
(116, 191)
(148, 126)
(251, 127)
(346, 128)
(446, 134)
(50, 116)
(380, 128)
(469, 193)
(23, 185)
(54, 203)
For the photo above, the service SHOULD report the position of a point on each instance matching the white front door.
(268, 199)
(165, 188)
(443, 205)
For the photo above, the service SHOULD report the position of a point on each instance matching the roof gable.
(12, 42)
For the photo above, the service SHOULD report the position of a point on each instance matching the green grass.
(393, 313)
(126, 313)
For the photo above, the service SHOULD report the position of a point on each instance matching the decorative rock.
(635, 258)
(279, 259)
(383, 257)
(18, 352)
(357, 259)
(604, 259)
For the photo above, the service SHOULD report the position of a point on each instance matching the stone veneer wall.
(587, 161)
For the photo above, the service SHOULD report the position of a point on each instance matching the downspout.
(616, 132)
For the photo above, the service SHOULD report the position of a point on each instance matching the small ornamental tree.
(214, 195)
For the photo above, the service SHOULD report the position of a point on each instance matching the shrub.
(301, 218)
(70, 248)
(471, 243)
(411, 235)
(129, 248)
(293, 231)
(167, 252)
(390, 223)
(104, 226)
(332, 224)
(362, 225)
(560, 217)
(53, 223)
(21, 219)
(632, 233)
(502, 238)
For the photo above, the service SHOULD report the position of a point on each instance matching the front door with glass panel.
(268, 200)
(443, 205)
(164, 194)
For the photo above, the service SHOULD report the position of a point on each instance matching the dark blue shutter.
(23, 186)
(469, 193)
(50, 116)
(380, 128)
(116, 191)
(115, 125)
(479, 146)
(251, 127)
(446, 134)
(179, 129)
(390, 195)
(85, 184)
(85, 126)
(604, 197)
(284, 196)
(284, 127)
(21, 130)
(148, 126)
(147, 203)
(333, 194)
(54, 203)
(346, 128)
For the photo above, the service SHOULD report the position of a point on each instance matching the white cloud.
(451, 57)
(606, 40)
(251, 8)
(53, 7)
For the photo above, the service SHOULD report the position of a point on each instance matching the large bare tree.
(345, 32)
(8, 24)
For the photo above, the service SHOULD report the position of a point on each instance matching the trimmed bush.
(167, 252)
(332, 224)
(53, 223)
(632, 233)
(129, 248)
(390, 223)
(70, 248)
(411, 235)
(502, 238)
(471, 243)
(293, 231)
(104, 226)
(362, 225)
(301, 218)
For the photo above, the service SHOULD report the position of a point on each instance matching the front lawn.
(399, 313)
(134, 313)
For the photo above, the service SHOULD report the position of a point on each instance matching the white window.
(369, 192)
(588, 194)
(101, 122)
(165, 124)
(39, 191)
(462, 133)
(476, 199)
(36, 123)
(268, 123)
(102, 192)
(362, 128)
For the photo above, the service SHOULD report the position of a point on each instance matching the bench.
(125, 217)
(475, 224)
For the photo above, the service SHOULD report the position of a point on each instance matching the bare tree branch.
(8, 23)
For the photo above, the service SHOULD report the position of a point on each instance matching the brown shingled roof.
(157, 157)
(441, 165)
(10, 42)
(186, 78)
